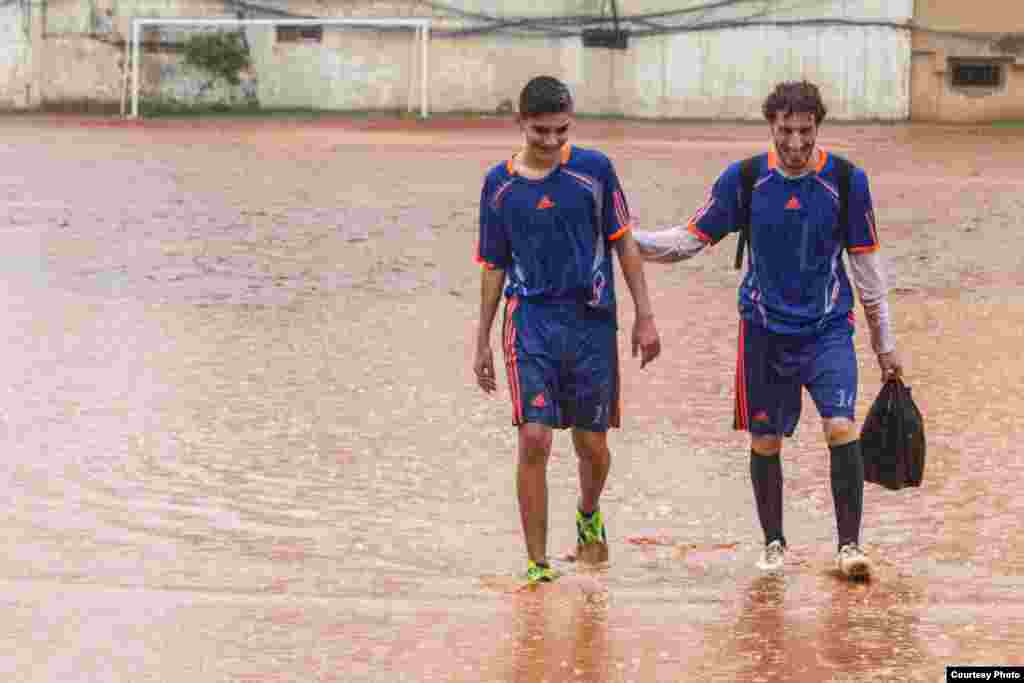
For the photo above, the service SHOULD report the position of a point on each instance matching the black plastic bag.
(892, 439)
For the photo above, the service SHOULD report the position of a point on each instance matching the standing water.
(243, 441)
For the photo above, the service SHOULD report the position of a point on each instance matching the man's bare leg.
(532, 488)
(594, 460)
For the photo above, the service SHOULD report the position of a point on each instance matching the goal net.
(194, 65)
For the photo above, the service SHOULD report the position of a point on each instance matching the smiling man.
(550, 218)
(800, 208)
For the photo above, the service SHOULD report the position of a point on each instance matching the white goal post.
(420, 26)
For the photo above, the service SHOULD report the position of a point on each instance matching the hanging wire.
(688, 19)
(641, 25)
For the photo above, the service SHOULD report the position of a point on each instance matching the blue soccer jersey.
(553, 236)
(795, 281)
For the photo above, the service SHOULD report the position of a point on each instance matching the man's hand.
(483, 367)
(891, 365)
(645, 338)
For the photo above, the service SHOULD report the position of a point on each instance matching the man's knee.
(534, 443)
(839, 431)
(590, 445)
(762, 444)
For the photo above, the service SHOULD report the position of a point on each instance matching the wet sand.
(243, 441)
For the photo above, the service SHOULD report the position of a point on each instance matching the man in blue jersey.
(805, 208)
(549, 219)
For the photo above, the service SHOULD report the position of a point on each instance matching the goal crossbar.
(420, 26)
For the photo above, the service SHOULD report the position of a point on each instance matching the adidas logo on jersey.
(545, 203)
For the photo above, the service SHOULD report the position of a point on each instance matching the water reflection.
(561, 633)
(870, 628)
(822, 627)
(760, 632)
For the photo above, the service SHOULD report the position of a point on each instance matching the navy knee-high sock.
(766, 476)
(847, 490)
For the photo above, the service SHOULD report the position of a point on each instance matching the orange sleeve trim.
(620, 232)
(695, 231)
(864, 250)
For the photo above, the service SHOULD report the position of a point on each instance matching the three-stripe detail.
(511, 365)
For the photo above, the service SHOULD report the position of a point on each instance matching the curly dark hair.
(544, 95)
(795, 97)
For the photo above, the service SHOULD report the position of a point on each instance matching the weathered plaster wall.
(987, 30)
(15, 56)
(864, 71)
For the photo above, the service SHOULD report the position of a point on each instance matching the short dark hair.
(544, 95)
(795, 97)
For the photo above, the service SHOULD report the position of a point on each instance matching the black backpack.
(748, 176)
(892, 439)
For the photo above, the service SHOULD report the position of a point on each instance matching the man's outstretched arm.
(719, 216)
(670, 245)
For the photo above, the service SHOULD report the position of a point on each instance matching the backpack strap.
(748, 176)
(844, 172)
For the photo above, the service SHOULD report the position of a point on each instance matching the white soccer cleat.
(853, 563)
(772, 557)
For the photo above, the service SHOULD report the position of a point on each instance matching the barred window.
(976, 73)
(300, 34)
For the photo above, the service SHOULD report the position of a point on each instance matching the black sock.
(848, 490)
(766, 476)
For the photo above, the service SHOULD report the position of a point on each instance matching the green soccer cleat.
(590, 530)
(540, 573)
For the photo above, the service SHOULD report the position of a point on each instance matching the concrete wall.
(75, 59)
(864, 71)
(727, 74)
(15, 57)
(988, 30)
(350, 69)
(977, 16)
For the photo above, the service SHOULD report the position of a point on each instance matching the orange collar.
(566, 155)
(773, 160)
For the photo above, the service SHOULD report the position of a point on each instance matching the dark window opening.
(300, 34)
(615, 39)
(977, 74)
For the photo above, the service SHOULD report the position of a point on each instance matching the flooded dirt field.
(243, 441)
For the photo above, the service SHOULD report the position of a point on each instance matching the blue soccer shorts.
(562, 361)
(773, 369)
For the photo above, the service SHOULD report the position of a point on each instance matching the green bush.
(221, 54)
